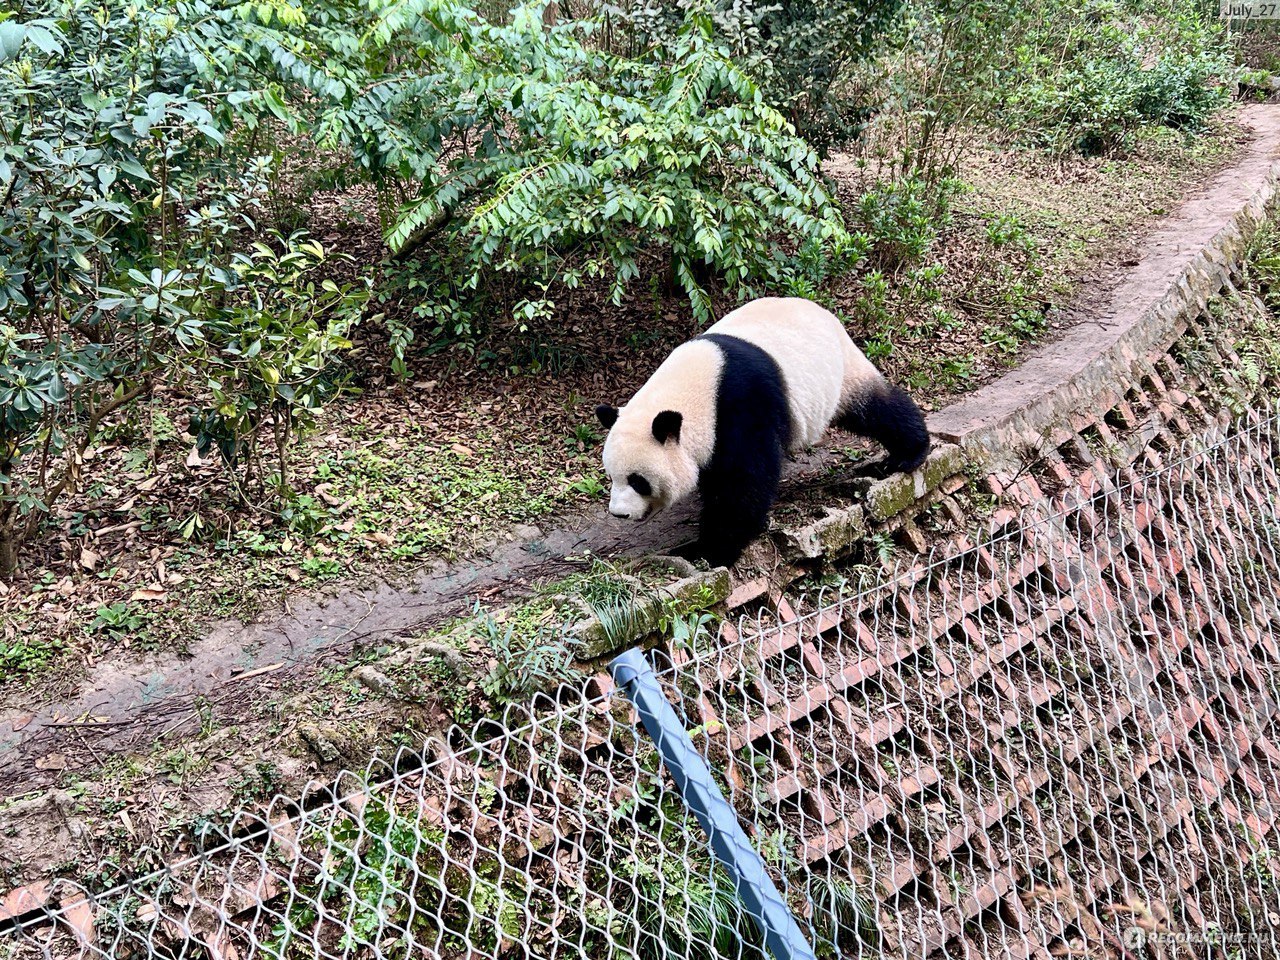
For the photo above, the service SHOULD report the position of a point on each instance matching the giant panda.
(723, 410)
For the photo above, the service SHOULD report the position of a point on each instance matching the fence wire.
(1059, 740)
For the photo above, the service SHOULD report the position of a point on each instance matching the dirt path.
(126, 703)
(134, 703)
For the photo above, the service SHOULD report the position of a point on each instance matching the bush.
(814, 49)
(122, 204)
(265, 351)
(903, 218)
(554, 161)
(1064, 74)
(806, 55)
(1091, 73)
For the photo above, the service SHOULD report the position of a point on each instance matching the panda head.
(647, 466)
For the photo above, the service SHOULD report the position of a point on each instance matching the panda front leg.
(735, 510)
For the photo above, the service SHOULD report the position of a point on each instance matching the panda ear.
(608, 415)
(666, 426)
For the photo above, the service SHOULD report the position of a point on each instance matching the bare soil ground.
(465, 482)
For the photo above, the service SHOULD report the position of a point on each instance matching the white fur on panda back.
(824, 371)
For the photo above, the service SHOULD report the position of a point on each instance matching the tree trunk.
(8, 551)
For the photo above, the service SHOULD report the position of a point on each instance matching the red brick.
(744, 593)
(23, 900)
(812, 660)
(854, 675)
(924, 777)
(854, 825)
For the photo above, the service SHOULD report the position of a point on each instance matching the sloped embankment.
(1052, 734)
(1082, 421)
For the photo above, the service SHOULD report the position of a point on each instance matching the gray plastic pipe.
(631, 671)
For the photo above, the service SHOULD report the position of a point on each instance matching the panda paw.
(880, 469)
(875, 469)
(888, 465)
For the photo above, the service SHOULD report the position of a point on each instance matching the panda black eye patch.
(639, 484)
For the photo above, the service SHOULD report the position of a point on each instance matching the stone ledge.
(841, 527)
(892, 495)
(645, 615)
(1145, 314)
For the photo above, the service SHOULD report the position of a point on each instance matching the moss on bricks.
(830, 535)
(891, 496)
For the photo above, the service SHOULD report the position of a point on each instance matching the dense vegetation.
(154, 254)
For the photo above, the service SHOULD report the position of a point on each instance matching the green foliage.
(265, 352)
(1065, 74)
(124, 198)
(884, 548)
(27, 654)
(937, 77)
(524, 662)
(440, 312)
(844, 917)
(680, 910)
(806, 55)
(682, 905)
(814, 49)
(581, 161)
(383, 867)
(1090, 73)
(1262, 260)
(690, 621)
(1259, 324)
(259, 782)
(121, 619)
(1005, 229)
(903, 218)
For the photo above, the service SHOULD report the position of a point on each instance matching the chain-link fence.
(1059, 739)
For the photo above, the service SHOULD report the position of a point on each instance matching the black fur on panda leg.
(729, 522)
(739, 488)
(890, 417)
(753, 431)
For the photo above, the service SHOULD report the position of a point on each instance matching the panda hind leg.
(888, 415)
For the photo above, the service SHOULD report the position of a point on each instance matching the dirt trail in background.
(134, 703)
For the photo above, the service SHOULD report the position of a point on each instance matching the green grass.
(516, 651)
(1070, 212)
(27, 651)
(389, 499)
(429, 500)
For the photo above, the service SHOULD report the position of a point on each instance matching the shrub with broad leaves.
(1087, 75)
(549, 158)
(124, 200)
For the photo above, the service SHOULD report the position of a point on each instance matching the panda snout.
(628, 515)
(624, 504)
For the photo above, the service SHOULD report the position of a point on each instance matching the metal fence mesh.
(1058, 740)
